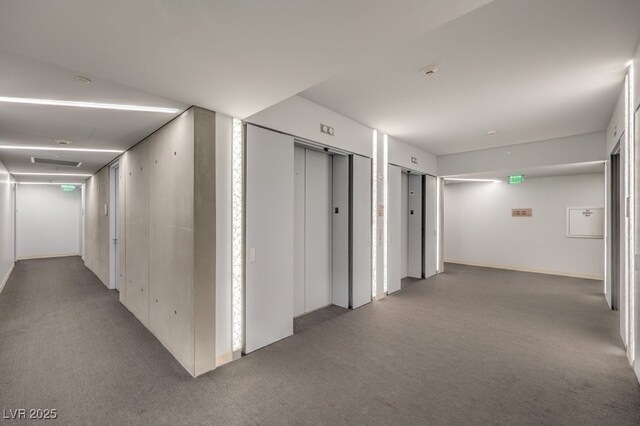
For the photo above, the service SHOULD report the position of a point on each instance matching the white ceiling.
(236, 57)
(537, 172)
(37, 125)
(532, 70)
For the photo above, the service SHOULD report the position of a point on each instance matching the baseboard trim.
(224, 359)
(47, 256)
(523, 269)
(6, 277)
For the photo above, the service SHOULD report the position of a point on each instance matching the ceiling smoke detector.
(82, 79)
(430, 70)
(63, 142)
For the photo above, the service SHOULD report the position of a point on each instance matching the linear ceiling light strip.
(94, 105)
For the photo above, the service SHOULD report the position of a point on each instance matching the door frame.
(615, 200)
(114, 223)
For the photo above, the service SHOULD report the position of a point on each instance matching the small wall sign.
(521, 212)
(516, 179)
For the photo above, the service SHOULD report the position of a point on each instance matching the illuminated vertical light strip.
(607, 231)
(632, 207)
(625, 149)
(628, 218)
(438, 254)
(385, 186)
(374, 219)
(237, 234)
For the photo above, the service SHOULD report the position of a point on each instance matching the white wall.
(401, 154)
(7, 228)
(568, 150)
(479, 228)
(47, 221)
(616, 124)
(300, 117)
(167, 242)
(224, 126)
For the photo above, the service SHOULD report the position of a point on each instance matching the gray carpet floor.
(471, 346)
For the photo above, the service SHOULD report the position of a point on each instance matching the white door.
(317, 264)
(361, 288)
(404, 211)
(340, 238)
(431, 223)
(622, 286)
(298, 230)
(116, 228)
(269, 238)
(312, 272)
(414, 250)
(394, 228)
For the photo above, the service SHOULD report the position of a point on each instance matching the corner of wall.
(204, 241)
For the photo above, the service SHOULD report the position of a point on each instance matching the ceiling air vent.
(55, 162)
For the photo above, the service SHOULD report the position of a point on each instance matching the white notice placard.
(585, 222)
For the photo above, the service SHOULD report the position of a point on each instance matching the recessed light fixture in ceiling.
(51, 174)
(471, 180)
(82, 79)
(57, 163)
(49, 183)
(80, 104)
(430, 71)
(492, 132)
(51, 148)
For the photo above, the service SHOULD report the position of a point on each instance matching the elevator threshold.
(312, 319)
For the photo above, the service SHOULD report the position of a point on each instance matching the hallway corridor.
(471, 346)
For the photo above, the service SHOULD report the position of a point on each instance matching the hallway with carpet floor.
(470, 346)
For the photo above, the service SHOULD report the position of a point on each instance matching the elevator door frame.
(616, 208)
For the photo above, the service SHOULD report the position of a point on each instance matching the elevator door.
(360, 219)
(415, 224)
(394, 228)
(431, 223)
(312, 233)
(269, 237)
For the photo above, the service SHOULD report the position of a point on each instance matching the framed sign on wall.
(585, 222)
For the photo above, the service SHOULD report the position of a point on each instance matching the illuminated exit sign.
(68, 188)
(516, 179)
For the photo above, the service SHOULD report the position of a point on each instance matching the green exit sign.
(68, 188)
(516, 179)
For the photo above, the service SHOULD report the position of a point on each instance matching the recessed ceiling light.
(49, 183)
(492, 132)
(471, 180)
(82, 79)
(63, 141)
(97, 105)
(51, 174)
(430, 70)
(50, 148)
